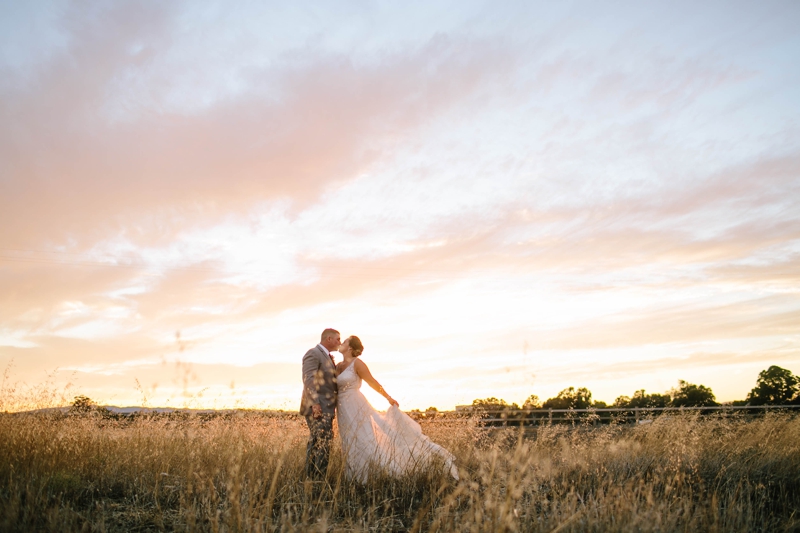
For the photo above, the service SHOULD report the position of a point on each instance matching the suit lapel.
(325, 356)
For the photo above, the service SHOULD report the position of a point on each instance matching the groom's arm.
(312, 376)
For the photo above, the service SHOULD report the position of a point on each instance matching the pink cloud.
(72, 173)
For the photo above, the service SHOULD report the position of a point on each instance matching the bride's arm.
(364, 373)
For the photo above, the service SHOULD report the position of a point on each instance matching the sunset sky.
(499, 199)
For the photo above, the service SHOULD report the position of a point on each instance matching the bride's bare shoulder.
(361, 368)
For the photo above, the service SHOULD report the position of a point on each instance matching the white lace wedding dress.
(392, 442)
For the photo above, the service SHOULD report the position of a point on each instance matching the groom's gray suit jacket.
(319, 382)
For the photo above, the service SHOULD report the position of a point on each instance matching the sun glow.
(499, 202)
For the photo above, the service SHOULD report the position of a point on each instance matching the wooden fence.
(500, 418)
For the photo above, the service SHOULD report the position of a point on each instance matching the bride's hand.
(392, 401)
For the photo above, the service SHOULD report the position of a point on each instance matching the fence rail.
(637, 415)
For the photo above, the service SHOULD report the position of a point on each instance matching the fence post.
(551, 415)
(637, 414)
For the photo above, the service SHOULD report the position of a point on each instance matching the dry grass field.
(245, 473)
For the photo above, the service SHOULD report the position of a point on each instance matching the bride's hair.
(356, 346)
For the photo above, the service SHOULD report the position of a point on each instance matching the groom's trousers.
(318, 449)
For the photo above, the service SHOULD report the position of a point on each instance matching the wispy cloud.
(468, 180)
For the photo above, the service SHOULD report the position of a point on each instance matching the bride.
(391, 442)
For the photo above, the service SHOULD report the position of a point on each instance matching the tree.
(659, 400)
(81, 405)
(493, 408)
(532, 402)
(493, 404)
(570, 399)
(690, 395)
(622, 401)
(775, 386)
(643, 400)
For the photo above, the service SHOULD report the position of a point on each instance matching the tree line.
(774, 386)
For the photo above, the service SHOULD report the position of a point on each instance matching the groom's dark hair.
(327, 333)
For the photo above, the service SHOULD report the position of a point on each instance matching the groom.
(319, 401)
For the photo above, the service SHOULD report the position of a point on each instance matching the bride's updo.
(356, 346)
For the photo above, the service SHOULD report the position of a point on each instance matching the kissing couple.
(391, 442)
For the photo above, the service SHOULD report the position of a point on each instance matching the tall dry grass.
(245, 473)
